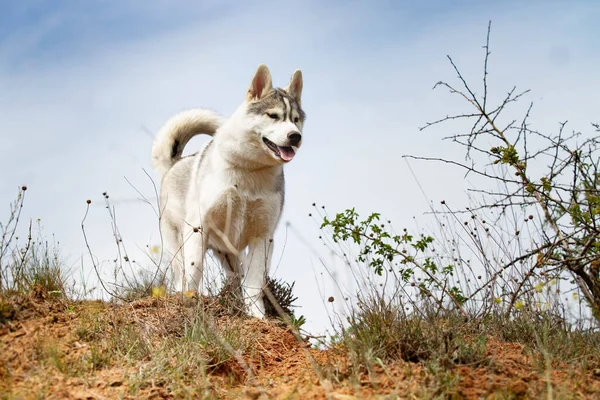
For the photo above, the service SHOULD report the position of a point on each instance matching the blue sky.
(84, 85)
(55, 31)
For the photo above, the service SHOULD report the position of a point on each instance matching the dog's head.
(275, 115)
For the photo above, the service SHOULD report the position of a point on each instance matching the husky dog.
(228, 197)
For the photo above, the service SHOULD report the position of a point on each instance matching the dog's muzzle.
(285, 153)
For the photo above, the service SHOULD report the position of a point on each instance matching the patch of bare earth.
(52, 348)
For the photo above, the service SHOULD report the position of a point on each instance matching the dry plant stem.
(8, 232)
(525, 181)
(121, 250)
(510, 264)
(87, 244)
(25, 252)
(158, 213)
(14, 218)
(576, 252)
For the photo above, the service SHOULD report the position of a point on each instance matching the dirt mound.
(168, 347)
(15, 307)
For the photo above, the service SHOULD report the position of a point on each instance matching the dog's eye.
(273, 116)
(296, 119)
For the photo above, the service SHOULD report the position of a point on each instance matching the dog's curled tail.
(177, 131)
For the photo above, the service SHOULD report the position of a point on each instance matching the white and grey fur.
(228, 198)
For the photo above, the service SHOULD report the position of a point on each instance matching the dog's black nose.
(294, 138)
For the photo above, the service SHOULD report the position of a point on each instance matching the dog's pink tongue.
(287, 153)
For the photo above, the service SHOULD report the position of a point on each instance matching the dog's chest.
(243, 212)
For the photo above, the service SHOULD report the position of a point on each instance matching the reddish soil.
(43, 349)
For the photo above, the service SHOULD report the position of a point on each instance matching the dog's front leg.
(257, 267)
(194, 249)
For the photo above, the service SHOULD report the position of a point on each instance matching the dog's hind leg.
(256, 268)
(194, 250)
(173, 245)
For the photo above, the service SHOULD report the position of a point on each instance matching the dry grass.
(176, 347)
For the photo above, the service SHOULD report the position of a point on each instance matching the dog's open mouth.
(286, 153)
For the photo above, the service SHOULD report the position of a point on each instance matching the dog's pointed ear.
(294, 88)
(261, 84)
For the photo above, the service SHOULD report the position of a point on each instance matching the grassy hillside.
(177, 347)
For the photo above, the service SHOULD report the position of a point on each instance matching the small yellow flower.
(497, 300)
(575, 296)
(539, 287)
(519, 304)
(158, 291)
(154, 249)
(189, 293)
